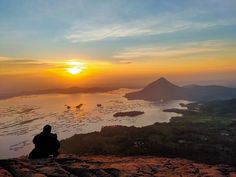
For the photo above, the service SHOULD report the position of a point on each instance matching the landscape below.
(205, 133)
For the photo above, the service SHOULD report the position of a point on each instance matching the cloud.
(9, 66)
(170, 51)
(124, 62)
(19, 62)
(144, 27)
(105, 32)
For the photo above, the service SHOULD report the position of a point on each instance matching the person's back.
(46, 144)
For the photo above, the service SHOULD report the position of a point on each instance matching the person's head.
(47, 129)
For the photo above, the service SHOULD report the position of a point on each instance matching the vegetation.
(206, 132)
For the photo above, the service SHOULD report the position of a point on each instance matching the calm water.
(23, 117)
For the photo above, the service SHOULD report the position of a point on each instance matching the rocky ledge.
(110, 166)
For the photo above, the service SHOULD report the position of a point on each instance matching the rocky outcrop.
(110, 166)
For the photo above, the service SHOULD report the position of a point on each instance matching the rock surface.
(110, 166)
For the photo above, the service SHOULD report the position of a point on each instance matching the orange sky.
(16, 75)
(120, 43)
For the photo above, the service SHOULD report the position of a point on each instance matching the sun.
(75, 67)
(74, 70)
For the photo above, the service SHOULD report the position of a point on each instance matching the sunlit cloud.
(174, 51)
(20, 61)
(12, 65)
(124, 62)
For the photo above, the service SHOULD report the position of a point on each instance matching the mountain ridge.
(162, 89)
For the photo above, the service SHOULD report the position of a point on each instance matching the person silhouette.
(46, 144)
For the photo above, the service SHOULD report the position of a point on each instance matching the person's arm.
(36, 139)
(56, 142)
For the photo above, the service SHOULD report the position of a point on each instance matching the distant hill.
(70, 90)
(162, 89)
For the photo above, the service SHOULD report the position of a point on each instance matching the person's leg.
(37, 154)
(34, 154)
(55, 154)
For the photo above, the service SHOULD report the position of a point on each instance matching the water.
(21, 118)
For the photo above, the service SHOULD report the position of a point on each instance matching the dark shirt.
(46, 144)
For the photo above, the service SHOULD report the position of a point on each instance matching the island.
(128, 113)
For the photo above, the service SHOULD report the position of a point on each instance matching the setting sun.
(75, 67)
(74, 70)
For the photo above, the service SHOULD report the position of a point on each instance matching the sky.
(118, 43)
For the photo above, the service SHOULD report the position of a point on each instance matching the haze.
(118, 43)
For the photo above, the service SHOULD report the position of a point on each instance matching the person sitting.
(46, 144)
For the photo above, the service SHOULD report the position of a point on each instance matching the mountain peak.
(162, 79)
(161, 82)
(161, 87)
